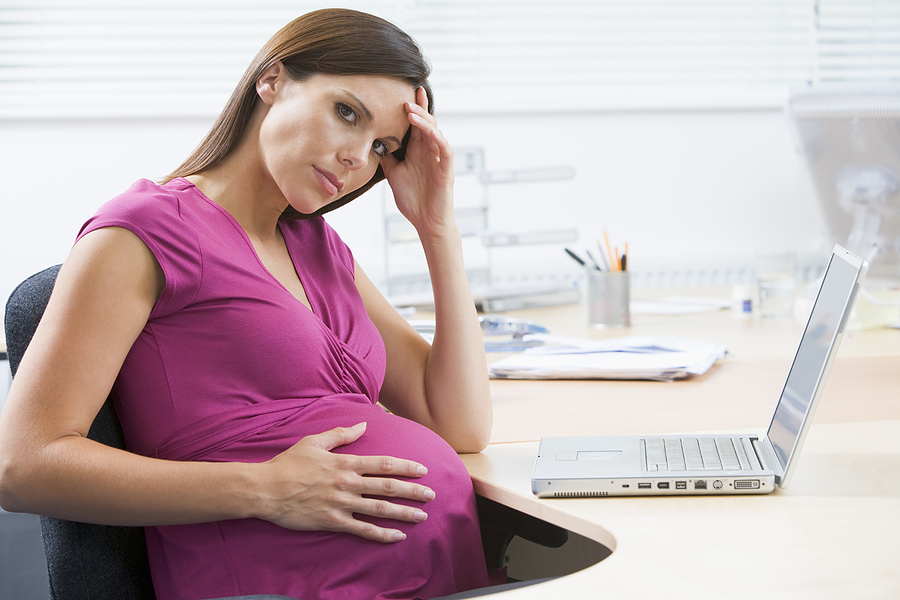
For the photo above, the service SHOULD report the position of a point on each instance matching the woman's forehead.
(374, 90)
(380, 100)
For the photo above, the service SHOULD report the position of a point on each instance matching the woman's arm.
(103, 297)
(445, 385)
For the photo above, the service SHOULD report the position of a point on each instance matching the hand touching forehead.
(324, 137)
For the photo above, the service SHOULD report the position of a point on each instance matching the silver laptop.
(583, 467)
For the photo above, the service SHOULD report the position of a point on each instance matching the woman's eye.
(346, 113)
(380, 148)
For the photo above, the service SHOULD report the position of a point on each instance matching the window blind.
(857, 40)
(577, 54)
(119, 58)
(115, 58)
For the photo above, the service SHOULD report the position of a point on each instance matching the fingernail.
(399, 536)
(420, 515)
(420, 470)
(429, 495)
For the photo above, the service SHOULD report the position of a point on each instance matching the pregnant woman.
(252, 359)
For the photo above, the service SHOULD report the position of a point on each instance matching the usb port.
(700, 484)
(663, 485)
(644, 486)
(681, 485)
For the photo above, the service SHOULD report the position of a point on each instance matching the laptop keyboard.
(696, 454)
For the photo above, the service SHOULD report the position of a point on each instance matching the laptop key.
(674, 455)
(692, 457)
(727, 454)
(656, 451)
(741, 454)
(709, 453)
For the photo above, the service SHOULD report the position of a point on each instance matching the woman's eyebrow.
(365, 109)
(360, 103)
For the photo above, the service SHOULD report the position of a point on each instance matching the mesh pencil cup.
(608, 299)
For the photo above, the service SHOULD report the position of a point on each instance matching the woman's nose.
(355, 156)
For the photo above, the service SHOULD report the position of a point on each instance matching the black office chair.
(91, 562)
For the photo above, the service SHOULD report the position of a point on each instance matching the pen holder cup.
(608, 298)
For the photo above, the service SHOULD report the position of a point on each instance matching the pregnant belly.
(386, 434)
(441, 555)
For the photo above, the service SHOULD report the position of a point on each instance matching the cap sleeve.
(155, 215)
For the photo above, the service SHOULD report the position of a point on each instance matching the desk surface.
(834, 533)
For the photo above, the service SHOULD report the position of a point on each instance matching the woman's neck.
(233, 186)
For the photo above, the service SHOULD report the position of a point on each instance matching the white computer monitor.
(849, 137)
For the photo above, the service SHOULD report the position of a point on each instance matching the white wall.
(680, 187)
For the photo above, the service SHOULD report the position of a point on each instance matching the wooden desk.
(834, 533)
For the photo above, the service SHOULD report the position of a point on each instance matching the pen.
(576, 257)
(603, 256)
(594, 262)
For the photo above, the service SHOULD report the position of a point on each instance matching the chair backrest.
(84, 561)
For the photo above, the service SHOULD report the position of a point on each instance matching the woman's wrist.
(251, 492)
(441, 237)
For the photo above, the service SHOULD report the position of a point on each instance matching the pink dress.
(232, 367)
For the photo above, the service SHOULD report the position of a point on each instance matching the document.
(678, 305)
(657, 358)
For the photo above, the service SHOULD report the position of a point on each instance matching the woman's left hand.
(442, 385)
(423, 182)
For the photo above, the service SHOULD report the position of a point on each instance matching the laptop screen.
(812, 355)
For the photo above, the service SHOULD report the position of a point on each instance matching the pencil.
(613, 262)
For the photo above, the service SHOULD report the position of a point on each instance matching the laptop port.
(663, 485)
(700, 484)
(681, 485)
(644, 486)
(746, 484)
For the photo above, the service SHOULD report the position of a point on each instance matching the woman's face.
(324, 137)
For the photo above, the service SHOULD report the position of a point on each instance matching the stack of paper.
(677, 305)
(660, 358)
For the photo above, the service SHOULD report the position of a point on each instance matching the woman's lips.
(329, 181)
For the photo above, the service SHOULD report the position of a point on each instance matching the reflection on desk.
(832, 534)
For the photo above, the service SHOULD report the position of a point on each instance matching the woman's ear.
(269, 83)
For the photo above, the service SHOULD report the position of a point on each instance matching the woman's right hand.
(314, 489)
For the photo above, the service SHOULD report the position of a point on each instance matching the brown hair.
(331, 42)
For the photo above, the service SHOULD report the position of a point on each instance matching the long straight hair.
(330, 42)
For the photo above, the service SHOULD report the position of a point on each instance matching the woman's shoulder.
(145, 201)
(160, 215)
(164, 213)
